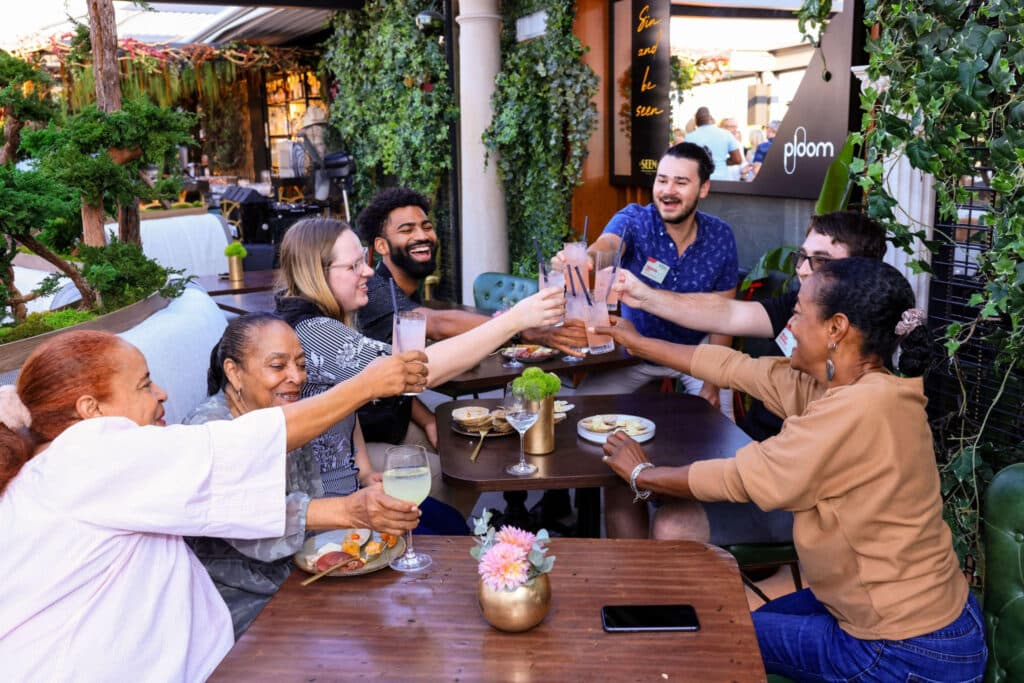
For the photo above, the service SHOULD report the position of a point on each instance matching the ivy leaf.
(920, 154)
(967, 73)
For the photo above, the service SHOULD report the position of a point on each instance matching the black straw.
(586, 224)
(572, 284)
(540, 259)
(615, 267)
(583, 284)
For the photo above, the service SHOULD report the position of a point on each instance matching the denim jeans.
(801, 640)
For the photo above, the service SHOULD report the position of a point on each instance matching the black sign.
(651, 113)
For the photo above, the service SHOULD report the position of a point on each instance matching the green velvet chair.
(1004, 575)
(492, 290)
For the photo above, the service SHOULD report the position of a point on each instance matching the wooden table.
(255, 281)
(687, 429)
(246, 302)
(427, 626)
(489, 373)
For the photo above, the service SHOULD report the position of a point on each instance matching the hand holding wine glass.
(521, 413)
(407, 477)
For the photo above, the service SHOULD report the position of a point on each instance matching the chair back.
(491, 290)
(1004, 575)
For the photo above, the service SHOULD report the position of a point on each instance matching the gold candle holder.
(540, 438)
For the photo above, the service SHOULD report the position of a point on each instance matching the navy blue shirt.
(708, 265)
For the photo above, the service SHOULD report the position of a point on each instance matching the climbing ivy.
(945, 94)
(393, 107)
(544, 114)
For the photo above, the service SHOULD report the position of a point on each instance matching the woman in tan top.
(854, 463)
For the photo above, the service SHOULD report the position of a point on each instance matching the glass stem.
(522, 448)
(409, 553)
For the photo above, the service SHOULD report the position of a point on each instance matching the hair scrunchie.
(910, 320)
(13, 412)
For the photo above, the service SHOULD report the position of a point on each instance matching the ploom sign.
(800, 147)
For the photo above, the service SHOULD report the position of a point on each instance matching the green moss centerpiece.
(540, 387)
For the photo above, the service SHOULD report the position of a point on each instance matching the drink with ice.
(408, 333)
(598, 316)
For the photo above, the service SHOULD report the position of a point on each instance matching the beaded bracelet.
(639, 495)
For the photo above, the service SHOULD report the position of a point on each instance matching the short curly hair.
(371, 220)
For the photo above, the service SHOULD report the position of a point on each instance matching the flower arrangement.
(236, 248)
(510, 557)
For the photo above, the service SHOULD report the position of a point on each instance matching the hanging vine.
(544, 114)
(945, 92)
(392, 105)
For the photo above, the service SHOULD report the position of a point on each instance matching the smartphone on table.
(643, 618)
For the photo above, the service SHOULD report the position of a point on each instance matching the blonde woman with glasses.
(324, 271)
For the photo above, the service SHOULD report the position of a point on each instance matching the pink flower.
(516, 536)
(504, 566)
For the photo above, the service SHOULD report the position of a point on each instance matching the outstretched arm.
(675, 356)
(623, 454)
(704, 311)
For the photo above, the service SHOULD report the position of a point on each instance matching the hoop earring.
(830, 367)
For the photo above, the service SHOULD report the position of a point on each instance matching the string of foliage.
(544, 114)
(945, 93)
(393, 107)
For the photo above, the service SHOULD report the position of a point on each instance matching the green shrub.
(40, 323)
(537, 384)
(122, 274)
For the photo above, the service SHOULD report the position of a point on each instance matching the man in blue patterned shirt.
(671, 245)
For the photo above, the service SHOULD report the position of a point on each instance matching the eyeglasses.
(355, 266)
(817, 261)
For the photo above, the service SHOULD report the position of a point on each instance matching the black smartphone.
(638, 618)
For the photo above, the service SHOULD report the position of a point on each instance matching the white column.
(914, 193)
(482, 196)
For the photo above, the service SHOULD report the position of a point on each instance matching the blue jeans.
(800, 639)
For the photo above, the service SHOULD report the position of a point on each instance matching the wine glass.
(521, 413)
(407, 477)
(510, 361)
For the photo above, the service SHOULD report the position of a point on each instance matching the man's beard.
(416, 269)
(687, 211)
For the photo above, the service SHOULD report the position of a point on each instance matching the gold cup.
(540, 438)
(235, 272)
(517, 610)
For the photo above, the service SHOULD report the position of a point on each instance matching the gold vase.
(517, 610)
(540, 438)
(235, 272)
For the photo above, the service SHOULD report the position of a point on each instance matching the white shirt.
(96, 583)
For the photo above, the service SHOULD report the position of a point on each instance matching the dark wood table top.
(247, 302)
(489, 373)
(687, 429)
(255, 281)
(428, 627)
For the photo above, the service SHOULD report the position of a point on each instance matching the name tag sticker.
(786, 342)
(654, 270)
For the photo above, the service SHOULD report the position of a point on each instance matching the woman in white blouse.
(96, 494)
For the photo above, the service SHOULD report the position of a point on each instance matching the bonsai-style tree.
(100, 155)
(24, 97)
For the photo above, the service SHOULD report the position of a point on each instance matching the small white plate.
(314, 543)
(640, 428)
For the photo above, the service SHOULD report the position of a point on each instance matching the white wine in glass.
(407, 477)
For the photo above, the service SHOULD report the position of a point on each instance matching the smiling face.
(133, 394)
(809, 330)
(273, 368)
(409, 240)
(348, 272)
(677, 189)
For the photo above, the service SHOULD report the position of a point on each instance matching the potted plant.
(235, 253)
(540, 387)
(514, 590)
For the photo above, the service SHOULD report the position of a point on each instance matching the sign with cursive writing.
(650, 112)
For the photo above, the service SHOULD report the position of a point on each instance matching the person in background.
(325, 275)
(96, 494)
(725, 151)
(855, 464)
(677, 136)
(762, 150)
(397, 225)
(755, 137)
(735, 171)
(259, 363)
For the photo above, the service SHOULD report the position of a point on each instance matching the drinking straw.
(583, 284)
(540, 259)
(394, 302)
(572, 284)
(615, 267)
(586, 223)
